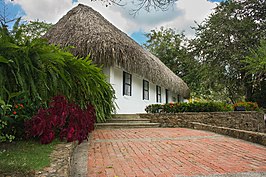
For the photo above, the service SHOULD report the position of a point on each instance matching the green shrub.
(154, 108)
(5, 133)
(189, 107)
(13, 115)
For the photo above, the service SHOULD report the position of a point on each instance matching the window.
(166, 96)
(127, 84)
(145, 90)
(158, 94)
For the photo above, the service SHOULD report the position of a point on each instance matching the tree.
(256, 66)
(223, 41)
(256, 62)
(34, 29)
(170, 47)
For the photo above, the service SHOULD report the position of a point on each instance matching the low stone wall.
(254, 137)
(249, 126)
(249, 121)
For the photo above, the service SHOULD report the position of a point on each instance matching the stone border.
(249, 126)
(60, 165)
(254, 137)
(79, 160)
(249, 121)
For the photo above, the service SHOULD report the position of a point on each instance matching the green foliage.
(256, 60)
(5, 133)
(223, 41)
(13, 114)
(41, 71)
(189, 107)
(154, 108)
(166, 44)
(214, 63)
(255, 65)
(34, 29)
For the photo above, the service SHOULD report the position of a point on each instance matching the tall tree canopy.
(223, 41)
(256, 66)
(170, 47)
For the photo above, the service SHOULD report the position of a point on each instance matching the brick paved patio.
(170, 152)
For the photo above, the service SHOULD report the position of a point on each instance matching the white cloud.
(196, 10)
(193, 11)
(181, 16)
(44, 10)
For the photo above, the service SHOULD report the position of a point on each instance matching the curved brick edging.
(249, 126)
(60, 165)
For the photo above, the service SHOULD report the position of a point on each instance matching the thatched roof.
(90, 33)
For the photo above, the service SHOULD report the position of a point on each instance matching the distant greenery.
(226, 59)
(23, 157)
(255, 65)
(34, 29)
(170, 46)
(222, 43)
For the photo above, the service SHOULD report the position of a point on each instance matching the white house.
(138, 77)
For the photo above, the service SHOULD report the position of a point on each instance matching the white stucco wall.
(134, 103)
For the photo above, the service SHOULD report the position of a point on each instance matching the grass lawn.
(24, 156)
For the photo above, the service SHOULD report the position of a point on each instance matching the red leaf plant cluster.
(62, 118)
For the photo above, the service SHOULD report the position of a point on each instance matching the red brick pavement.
(170, 152)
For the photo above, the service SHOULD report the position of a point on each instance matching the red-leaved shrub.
(65, 119)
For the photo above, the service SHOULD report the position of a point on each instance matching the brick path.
(170, 152)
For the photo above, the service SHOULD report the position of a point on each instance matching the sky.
(181, 16)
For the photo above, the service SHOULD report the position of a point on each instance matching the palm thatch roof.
(90, 33)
